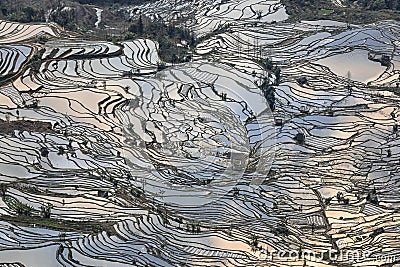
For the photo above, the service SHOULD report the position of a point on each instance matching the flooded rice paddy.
(189, 166)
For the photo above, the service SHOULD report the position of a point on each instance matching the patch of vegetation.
(18, 207)
(267, 87)
(253, 242)
(65, 17)
(107, 2)
(174, 42)
(26, 215)
(71, 15)
(325, 12)
(8, 127)
(356, 12)
(88, 227)
(25, 14)
(42, 39)
(281, 229)
(36, 60)
(377, 4)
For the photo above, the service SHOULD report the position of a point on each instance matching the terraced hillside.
(275, 145)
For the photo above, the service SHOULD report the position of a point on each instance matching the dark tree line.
(25, 14)
(267, 87)
(32, 12)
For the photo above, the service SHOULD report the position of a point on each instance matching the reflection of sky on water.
(357, 63)
(39, 257)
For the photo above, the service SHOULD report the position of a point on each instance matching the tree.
(253, 242)
(62, 236)
(277, 75)
(161, 66)
(259, 14)
(269, 92)
(140, 25)
(44, 152)
(46, 211)
(61, 150)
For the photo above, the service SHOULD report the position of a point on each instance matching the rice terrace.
(199, 133)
